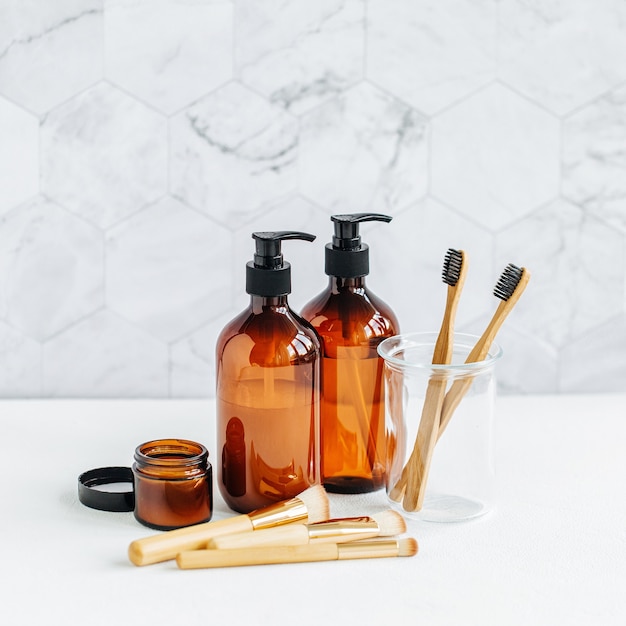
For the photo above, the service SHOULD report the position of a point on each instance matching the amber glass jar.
(173, 484)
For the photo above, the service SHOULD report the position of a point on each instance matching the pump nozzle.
(268, 275)
(268, 246)
(346, 235)
(347, 257)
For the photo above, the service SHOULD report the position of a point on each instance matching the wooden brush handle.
(460, 387)
(288, 535)
(267, 555)
(412, 483)
(167, 545)
(259, 555)
(479, 352)
(418, 464)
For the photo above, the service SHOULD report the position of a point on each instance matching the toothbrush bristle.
(508, 281)
(452, 265)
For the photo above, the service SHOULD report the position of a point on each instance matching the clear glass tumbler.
(460, 480)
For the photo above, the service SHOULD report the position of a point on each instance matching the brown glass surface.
(351, 322)
(267, 405)
(173, 484)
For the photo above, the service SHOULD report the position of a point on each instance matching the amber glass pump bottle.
(268, 388)
(351, 321)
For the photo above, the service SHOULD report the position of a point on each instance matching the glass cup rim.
(391, 346)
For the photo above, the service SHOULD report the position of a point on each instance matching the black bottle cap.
(268, 275)
(347, 256)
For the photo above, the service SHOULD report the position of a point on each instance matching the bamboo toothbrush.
(384, 524)
(415, 473)
(509, 288)
(311, 505)
(265, 555)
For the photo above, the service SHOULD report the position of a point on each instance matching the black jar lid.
(103, 500)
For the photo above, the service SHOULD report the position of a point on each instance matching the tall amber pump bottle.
(268, 388)
(351, 322)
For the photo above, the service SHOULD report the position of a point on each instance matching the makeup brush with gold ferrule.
(265, 555)
(509, 288)
(309, 506)
(384, 524)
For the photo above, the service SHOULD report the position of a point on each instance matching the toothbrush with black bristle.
(412, 482)
(509, 288)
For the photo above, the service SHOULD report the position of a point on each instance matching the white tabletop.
(553, 552)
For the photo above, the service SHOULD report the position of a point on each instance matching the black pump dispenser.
(347, 256)
(267, 274)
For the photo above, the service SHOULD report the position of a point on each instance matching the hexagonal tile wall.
(193, 361)
(19, 155)
(364, 151)
(607, 373)
(104, 155)
(431, 54)
(594, 159)
(529, 364)
(142, 141)
(406, 261)
(232, 154)
(20, 364)
(107, 357)
(161, 269)
(577, 267)
(288, 51)
(495, 157)
(581, 39)
(158, 50)
(51, 268)
(49, 51)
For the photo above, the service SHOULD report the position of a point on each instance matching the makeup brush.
(265, 555)
(309, 506)
(509, 288)
(384, 524)
(415, 473)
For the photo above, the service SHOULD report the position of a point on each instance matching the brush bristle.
(452, 266)
(316, 501)
(407, 547)
(508, 282)
(389, 523)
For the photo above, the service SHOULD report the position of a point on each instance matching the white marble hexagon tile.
(142, 141)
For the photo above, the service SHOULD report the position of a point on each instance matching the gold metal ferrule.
(349, 529)
(368, 549)
(285, 512)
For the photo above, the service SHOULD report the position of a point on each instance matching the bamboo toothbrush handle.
(419, 462)
(412, 482)
(479, 352)
(413, 472)
(460, 387)
(397, 491)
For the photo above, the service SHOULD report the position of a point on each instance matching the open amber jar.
(173, 484)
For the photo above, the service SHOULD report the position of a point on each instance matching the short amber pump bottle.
(351, 321)
(268, 388)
